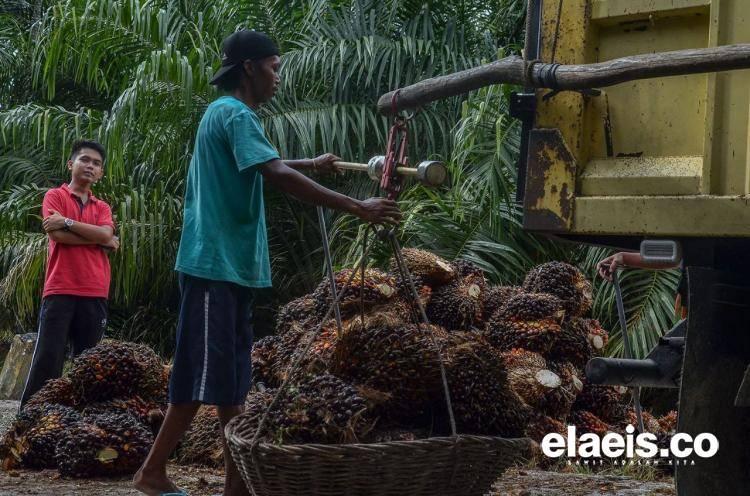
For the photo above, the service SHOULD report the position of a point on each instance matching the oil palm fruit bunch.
(147, 412)
(376, 287)
(606, 402)
(483, 402)
(398, 311)
(496, 297)
(457, 305)
(403, 289)
(256, 403)
(264, 359)
(324, 409)
(114, 369)
(529, 377)
(287, 346)
(465, 268)
(128, 437)
(588, 423)
(559, 402)
(8, 460)
(597, 336)
(529, 321)
(202, 442)
(319, 409)
(429, 268)
(649, 421)
(572, 344)
(668, 422)
(403, 303)
(154, 376)
(84, 450)
(571, 375)
(12, 442)
(297, 310)
(166, 374)
(318, 358)
(563, 280)
(401, 360)
(46, 424)
(291, 346)
(277, 423)
(55, 391)
(108, 444)
(540, 425)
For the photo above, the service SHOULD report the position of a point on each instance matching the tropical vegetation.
(134, 74)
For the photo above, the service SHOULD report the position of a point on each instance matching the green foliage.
(649, 303)
(134, 75)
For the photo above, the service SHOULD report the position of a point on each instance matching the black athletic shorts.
(214, 341)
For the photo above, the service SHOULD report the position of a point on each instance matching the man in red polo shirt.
(76, 286)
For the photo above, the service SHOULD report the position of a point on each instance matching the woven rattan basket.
(460, 465)
(440, 466)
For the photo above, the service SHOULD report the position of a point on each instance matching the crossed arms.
(79, 233)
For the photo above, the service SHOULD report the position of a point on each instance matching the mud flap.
(717, 350)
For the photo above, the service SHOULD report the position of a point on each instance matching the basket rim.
(520, 442)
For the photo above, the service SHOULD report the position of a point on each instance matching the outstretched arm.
(288, 180)
(628, 259)
(322, 163)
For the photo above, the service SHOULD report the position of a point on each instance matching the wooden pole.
(511, 70)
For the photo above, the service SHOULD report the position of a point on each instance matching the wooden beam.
(510, 70)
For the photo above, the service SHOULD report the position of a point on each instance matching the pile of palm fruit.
(514, 358)
(98, 420)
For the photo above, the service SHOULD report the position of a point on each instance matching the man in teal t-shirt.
(223, 251)
(224, 228)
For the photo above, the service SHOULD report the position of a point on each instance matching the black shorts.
(214, 341)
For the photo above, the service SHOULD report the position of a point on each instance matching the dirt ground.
(205, 482)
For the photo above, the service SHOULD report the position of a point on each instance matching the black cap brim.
(220, 73)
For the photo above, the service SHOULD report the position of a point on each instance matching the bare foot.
(153, 484)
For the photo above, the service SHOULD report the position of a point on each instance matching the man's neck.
(245, 96)
(80, 190)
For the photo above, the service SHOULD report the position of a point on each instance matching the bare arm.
(288, 180)
(634, 260)
(98, 235)
(323, 163)
(301, 164)
(628, 259)
(68, 238)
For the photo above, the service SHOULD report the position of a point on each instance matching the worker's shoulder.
(229, 107)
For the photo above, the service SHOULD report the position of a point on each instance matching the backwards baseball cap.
(241, 46)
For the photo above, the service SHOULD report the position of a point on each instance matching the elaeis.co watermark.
(619, 449)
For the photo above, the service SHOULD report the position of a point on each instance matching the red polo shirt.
(80, 270)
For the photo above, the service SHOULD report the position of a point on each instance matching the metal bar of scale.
(430, 173)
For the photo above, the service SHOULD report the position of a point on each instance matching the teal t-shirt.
(224, 226)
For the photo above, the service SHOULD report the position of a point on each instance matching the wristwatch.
(68, 224)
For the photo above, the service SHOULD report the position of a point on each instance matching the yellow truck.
(636, 135)
(658, 159)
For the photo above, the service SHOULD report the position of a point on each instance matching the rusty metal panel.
(550, 183)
